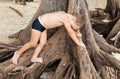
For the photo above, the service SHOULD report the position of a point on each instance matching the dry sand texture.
(11, 22)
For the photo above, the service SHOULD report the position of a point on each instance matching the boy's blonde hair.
(79, 19)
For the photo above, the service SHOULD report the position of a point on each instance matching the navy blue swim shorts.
(37, 25)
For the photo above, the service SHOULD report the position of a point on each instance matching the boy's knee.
(43, 42)
(33, 44)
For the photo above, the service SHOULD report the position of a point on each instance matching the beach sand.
(11, 22)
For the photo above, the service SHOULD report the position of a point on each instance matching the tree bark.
(95, 61)
(20, 2)
(112, 8)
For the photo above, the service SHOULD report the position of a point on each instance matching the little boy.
(39, 28)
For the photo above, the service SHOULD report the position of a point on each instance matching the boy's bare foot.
(14, 59)
(37, 60)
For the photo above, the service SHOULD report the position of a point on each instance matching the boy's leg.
(35, 35)
(43, 40)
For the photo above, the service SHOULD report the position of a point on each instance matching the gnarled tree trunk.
(94, 61)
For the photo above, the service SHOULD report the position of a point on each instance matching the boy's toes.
(32, 60)
(40, 60)
(14, 61)
(37, 60)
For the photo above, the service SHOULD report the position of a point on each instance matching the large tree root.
(50, 56)
(102, 43)
(115, 30)
(116, 39)
(6, 51)
(7, 66)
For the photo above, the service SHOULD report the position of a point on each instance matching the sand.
(11, 22)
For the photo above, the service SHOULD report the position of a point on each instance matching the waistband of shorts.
(40, 21)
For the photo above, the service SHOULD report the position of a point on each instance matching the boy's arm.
(72, 33)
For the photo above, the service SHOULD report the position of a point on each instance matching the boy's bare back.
(52, 20)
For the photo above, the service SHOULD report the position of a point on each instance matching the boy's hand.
(79, 35)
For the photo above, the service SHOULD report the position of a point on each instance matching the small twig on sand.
(18, 12)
